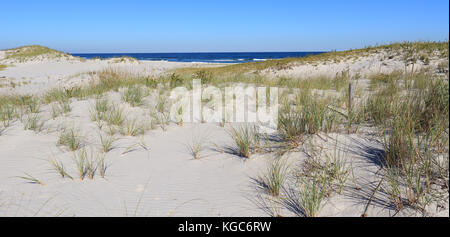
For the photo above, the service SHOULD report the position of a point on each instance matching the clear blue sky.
(219, 25)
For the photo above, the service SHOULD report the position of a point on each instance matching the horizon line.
(210, 52)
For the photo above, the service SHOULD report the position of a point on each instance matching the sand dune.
(153, 172)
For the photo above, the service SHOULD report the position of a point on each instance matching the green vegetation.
(272, 181)
(70, 138)
(411, 50)
(33, 122)
(107, 142)
(31, 179)
(310, 115)
(133, 95)
(60, 169)
(246, 138)
(197, 145)
(408, 109)
(312, 193)
(125, 59)
(29, 52)
(132, 127)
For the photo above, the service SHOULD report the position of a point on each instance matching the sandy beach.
(149, 168)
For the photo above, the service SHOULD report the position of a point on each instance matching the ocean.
(202, 57)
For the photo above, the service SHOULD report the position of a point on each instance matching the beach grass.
(60, 169)
(133, 95)
(33, 122)
(132, 127)
(197, 145)
(69, 137)
(410, 49)
(29, 52)
(312, 195)
(245, 138)
(273, 179)
(31, 179)
(107, 142)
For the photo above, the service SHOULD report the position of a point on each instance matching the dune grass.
(197, 145)
(273, 180)
(312, 195)
(133, 95)
(245, 138)
(410, 110)
(31, 179)
(132, 127)
(69, 137)
(410, 49)
(102, 166)
(30, 52)
(33, 122)
(416, 138)
(114, 116)
(309, 115)
(107, 142)
(60, 169)
(7, 114)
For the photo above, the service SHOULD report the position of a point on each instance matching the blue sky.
(219, 25)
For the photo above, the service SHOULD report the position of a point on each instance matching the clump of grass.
(133, 95)
(272, 181)
(132, 127)
(87, 164)
(101, 106)
(59, 95)
(380, 79)
(80, 159)
(312, 195)
(160, 115)
(309, 116)
(197, 145)
(91, 167)
(33, 122)
(102, 166)
(332, 170)
(161, 104)
(7, 114)
(245, 138)
(175, 80)
(114, 116)
(443, 67)
(70, 138)
(394, 188)
(107, 142)
(31, 103)
(336, 169)
(124, 59)
(56, 111)
(59, 167)
(59, 108)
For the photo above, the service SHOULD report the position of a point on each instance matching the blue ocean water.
(203, 57)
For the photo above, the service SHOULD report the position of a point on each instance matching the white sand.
(37, 76)
(382, 62)
(164, 180)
